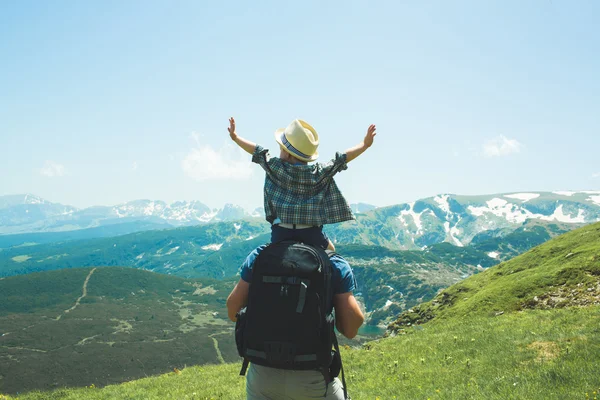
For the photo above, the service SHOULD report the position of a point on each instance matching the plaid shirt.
(303, 194)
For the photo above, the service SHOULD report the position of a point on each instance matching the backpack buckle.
(284, 290)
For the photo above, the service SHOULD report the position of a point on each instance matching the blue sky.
(108, 101)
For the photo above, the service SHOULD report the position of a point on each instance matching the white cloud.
(206, 163)
(134, 166)
(501, 146)
(596, 175)
(52, 169)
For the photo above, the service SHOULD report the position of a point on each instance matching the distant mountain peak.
(445, 217)
(21, 199)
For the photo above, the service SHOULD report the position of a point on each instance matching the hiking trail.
(87, 279)
(216, 344)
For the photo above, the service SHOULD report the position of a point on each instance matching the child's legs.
(279, 234)
(330, 245)
(312, 236)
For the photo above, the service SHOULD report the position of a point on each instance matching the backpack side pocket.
(240, 326)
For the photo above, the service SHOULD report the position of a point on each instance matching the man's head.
(299, 140)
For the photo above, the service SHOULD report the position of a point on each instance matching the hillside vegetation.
(536, 354)
(501, 334)
(562, 272)
(107, 325)
(185, 252)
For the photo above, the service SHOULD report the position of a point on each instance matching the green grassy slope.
(562, 272)
(525, 329)
(537, 354)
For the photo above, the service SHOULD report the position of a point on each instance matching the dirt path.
(216, 344)
(24, 348)
(87, 279)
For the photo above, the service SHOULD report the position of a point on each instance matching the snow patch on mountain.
(454, 231)
(416, 217)
(525, 197)
(173, 250)
(493, 254)
(237, 226)
(565, 193)
(594, 199)
(516, 214)
(207, 216)
(442, 201)
(560, 216)
(149, 209)
(501, 208)
(31, 199)
(215, 247)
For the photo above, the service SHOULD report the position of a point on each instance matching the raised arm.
(360, 148)
(245, 144)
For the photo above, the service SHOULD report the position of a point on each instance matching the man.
(271, 383)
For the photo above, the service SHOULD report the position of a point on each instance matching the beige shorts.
(264, 383)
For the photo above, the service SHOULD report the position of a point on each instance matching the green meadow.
(533, 354)
(528, 328)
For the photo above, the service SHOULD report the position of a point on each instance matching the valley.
(122, 304)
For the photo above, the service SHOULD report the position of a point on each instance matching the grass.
(534, 354)
(469, 350)
(130, 324)
(568, 263)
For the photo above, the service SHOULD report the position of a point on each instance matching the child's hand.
(231, 129)
(370, 135)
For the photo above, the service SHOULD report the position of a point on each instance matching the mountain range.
(460, 220)
(29, 213)
(444, 218)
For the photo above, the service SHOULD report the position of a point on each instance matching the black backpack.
(288, 322)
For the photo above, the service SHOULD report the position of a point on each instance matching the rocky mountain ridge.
(455, 219)
(459, 220)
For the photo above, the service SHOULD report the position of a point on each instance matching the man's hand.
(370, 135)
(231, 129)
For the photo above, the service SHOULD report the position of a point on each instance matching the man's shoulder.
(337, 258)
(340, 264)
(254, 253)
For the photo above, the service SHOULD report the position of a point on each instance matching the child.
(299, 198)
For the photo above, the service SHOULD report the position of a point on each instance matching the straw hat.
(299, 139)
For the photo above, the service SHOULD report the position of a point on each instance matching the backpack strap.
(244, 367)
(331, 253)
(337, 348)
